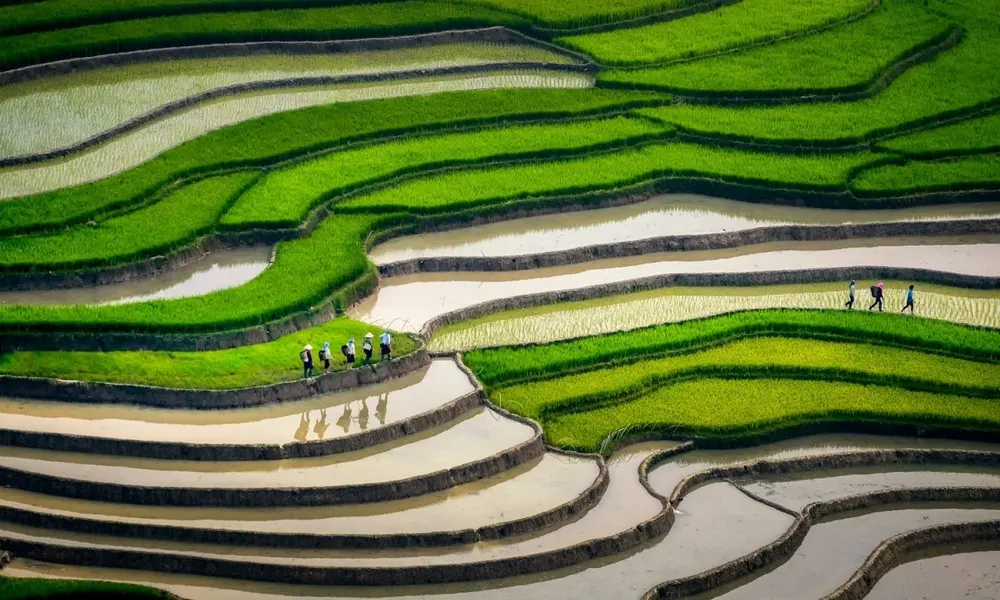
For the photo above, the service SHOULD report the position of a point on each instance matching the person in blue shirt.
(909, 300)
(385, 345)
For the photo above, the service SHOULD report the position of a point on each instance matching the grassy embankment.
(38, 589)
(750, 374)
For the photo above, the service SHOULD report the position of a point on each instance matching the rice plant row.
(286, 135)
(971, 172)
(740, 24)
(747, 411)
(511, 364)
(846, 57)
(563, 321)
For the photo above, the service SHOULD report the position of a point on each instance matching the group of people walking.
(878, 296)
(348, 350)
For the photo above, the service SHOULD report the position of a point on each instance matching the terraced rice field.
(611, 244)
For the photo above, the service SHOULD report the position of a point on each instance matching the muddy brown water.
(411, 301)
(541, 485)
(475, 436)
(832, 552)
(667, 215)
(213, 272)
(322, 417)
(972, 574)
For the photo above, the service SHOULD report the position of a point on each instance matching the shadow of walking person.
(380, 408)
(363, 415)
(321, 425)
(303, 431)
(344, 422)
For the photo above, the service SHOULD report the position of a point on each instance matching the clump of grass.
(750, 409)
(178, 219)
(849, 56)
(725, 28)
(246, 366)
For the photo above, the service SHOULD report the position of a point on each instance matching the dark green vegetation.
(747, 375)
(38, 589)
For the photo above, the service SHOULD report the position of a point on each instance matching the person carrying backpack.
(878, 292)
(349, 353)
(385, 345)
(909, 300)
(307, 360)
(850, 300)
(367, 348)
(325, 356)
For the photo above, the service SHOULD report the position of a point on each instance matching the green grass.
(504, 366)
(305, 272)
(337, 22)
(281, 136)
(972, 172)
(36, 589)
(971, 135)
(740, 24)
(958, 80)
(183, 215)
(847, 57)
(579, 13)
(283, 197)
(752, 408)
(476, 187)
(247, 366)
(752, 355)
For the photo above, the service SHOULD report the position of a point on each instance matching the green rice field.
(570, 217)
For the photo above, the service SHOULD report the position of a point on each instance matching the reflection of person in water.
(321, 425)
(363, 415)
(303, 431)
(344, 422)
(383, 403)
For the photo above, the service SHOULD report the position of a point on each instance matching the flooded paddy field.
(139, 145)
(213, 272)
(667, 215)
(54, 112)
(414, 300)
(963, 573)
(561, 321)
(318, 418)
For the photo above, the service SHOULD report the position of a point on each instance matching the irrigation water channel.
(715, 523)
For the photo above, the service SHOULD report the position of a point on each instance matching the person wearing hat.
(367, 347)
(350, 353)
(307, 360)
(878, 292)
(850, 300)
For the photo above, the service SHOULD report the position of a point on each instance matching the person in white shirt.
(385, 345)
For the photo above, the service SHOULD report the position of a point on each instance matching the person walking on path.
(385, 345)
(307, 360)
(350, 353)
(879, 292)
(324, 355)
(850, 300)
(909, 300)
(367, 347)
